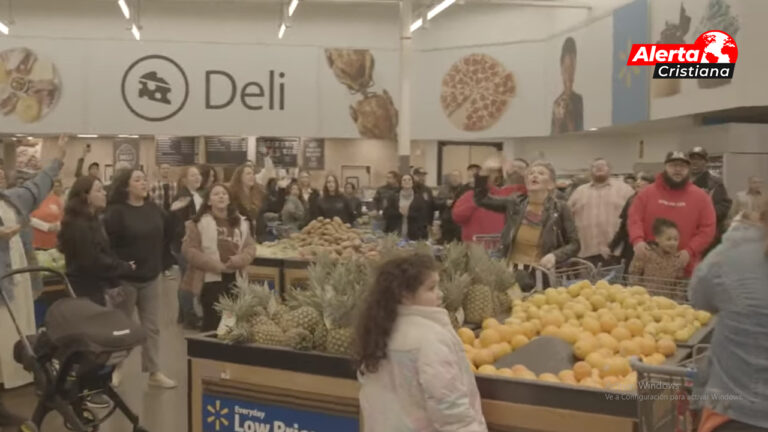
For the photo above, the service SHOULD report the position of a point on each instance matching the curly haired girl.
(410, 362)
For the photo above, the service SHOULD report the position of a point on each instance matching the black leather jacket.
(558, 233)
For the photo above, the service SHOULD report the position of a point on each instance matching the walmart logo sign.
(223, 414)
(217, 415)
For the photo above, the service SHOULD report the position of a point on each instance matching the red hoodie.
(479, 221)
(690, 208)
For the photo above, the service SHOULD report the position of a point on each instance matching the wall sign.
(226, 150)
(284, 151)
(126, 153)
(222, 414)
(175, 151)
(314, 154)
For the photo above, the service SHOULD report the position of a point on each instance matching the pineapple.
(454, 289)
(479, 301)
(299, 339)
(341, 295)
(267, 333)
(238, 309)
(305, 318)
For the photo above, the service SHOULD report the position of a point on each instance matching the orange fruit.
(621, 334)
(629, 348)
(550, 330)
(566, 375)
(584, 346)
(582, 370)
(635, 327)
(466, 335)
(487, 369)
(608, 322)
(647, 346)
(490, 323)
(549, 377)
(529, 330)
(607, 341)
(591, 325)
(519, 341)
(505, 332)
(489, 337)
(483, 357)
(666, 347)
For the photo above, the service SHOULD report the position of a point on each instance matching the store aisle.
(160, 410)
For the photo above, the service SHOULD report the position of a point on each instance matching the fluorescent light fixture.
(135, 32)
(439, 8)
(292, 7)
(593, 129)
(87, 136)
(20, 135)
(3, 28)
(124, 7)
(127, 136)
(282, 31)
(417, 24)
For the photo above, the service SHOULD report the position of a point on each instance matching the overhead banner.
(283, 151)
(175, 151)
(631, 84)
(314, 154)
(226, 150)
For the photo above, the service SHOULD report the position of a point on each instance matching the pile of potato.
(332, 237)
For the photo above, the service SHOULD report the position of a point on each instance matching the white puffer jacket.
(425, 384)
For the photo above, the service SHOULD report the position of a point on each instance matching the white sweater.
(425, 384)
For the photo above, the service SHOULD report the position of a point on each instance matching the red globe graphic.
(718, 47)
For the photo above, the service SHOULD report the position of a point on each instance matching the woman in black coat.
(92, 267)
(333, 203)
(408, 212)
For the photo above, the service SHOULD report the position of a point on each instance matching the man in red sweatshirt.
(475, 220)
(674, 197)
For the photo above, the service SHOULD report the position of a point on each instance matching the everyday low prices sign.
(221, 414)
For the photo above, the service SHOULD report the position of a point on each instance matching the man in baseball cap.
(672, 196)
(420, 185)
(711, 184)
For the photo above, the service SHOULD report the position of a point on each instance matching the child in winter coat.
(657, 268)
(411, 364)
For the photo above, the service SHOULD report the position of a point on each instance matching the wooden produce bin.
(295, 273)
(239, 388)
(267, 270)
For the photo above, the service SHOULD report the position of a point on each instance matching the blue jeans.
(186, 298)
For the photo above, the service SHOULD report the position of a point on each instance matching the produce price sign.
(314, 154)
(222, 414)
(126, 152)
(226, 150)
(284, 151)
(175, 151)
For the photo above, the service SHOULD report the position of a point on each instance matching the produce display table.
(248, 387)
(267, 270)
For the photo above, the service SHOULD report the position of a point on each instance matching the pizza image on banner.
(476, 92)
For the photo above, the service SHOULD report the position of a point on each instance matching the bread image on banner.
(29, 85)
(374, 114)
(476, 92)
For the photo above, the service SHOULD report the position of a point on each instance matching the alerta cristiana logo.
(712, 56)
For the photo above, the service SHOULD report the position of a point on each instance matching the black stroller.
(72, 357)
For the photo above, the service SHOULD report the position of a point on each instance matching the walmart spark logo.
(626, 72)
(217, 415)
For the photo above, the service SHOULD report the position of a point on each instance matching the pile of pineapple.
(475, 286)
(318, 317)
(606, 324)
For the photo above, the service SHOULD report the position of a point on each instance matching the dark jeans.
(736, 426)
(210, 295)
(187, 313)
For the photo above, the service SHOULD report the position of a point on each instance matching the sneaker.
(98, 400)
(158, 379)
(117, 376)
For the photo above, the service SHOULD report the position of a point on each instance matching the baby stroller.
(72, 357)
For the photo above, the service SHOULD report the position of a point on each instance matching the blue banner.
(221, 414)
(631, 84)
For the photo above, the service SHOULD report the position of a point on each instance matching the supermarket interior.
(383, 215)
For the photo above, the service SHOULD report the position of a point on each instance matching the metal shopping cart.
(490, 242)
(568, 273)
(669, 397)
(674, 289)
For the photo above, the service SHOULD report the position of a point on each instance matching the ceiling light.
(593, 129)
(135, 32)
(127, 136)
(417, 24)
(292, 7)
(439, 8)
(87, 136)
(3, 28)
(20, 135)
(282, 31)
(124, 7)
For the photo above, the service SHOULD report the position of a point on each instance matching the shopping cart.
(673, 289)
(669, 397)
(568, 273)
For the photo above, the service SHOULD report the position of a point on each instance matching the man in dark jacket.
(713, 185)
(448, 195)
(420, 186)
(389, 190)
